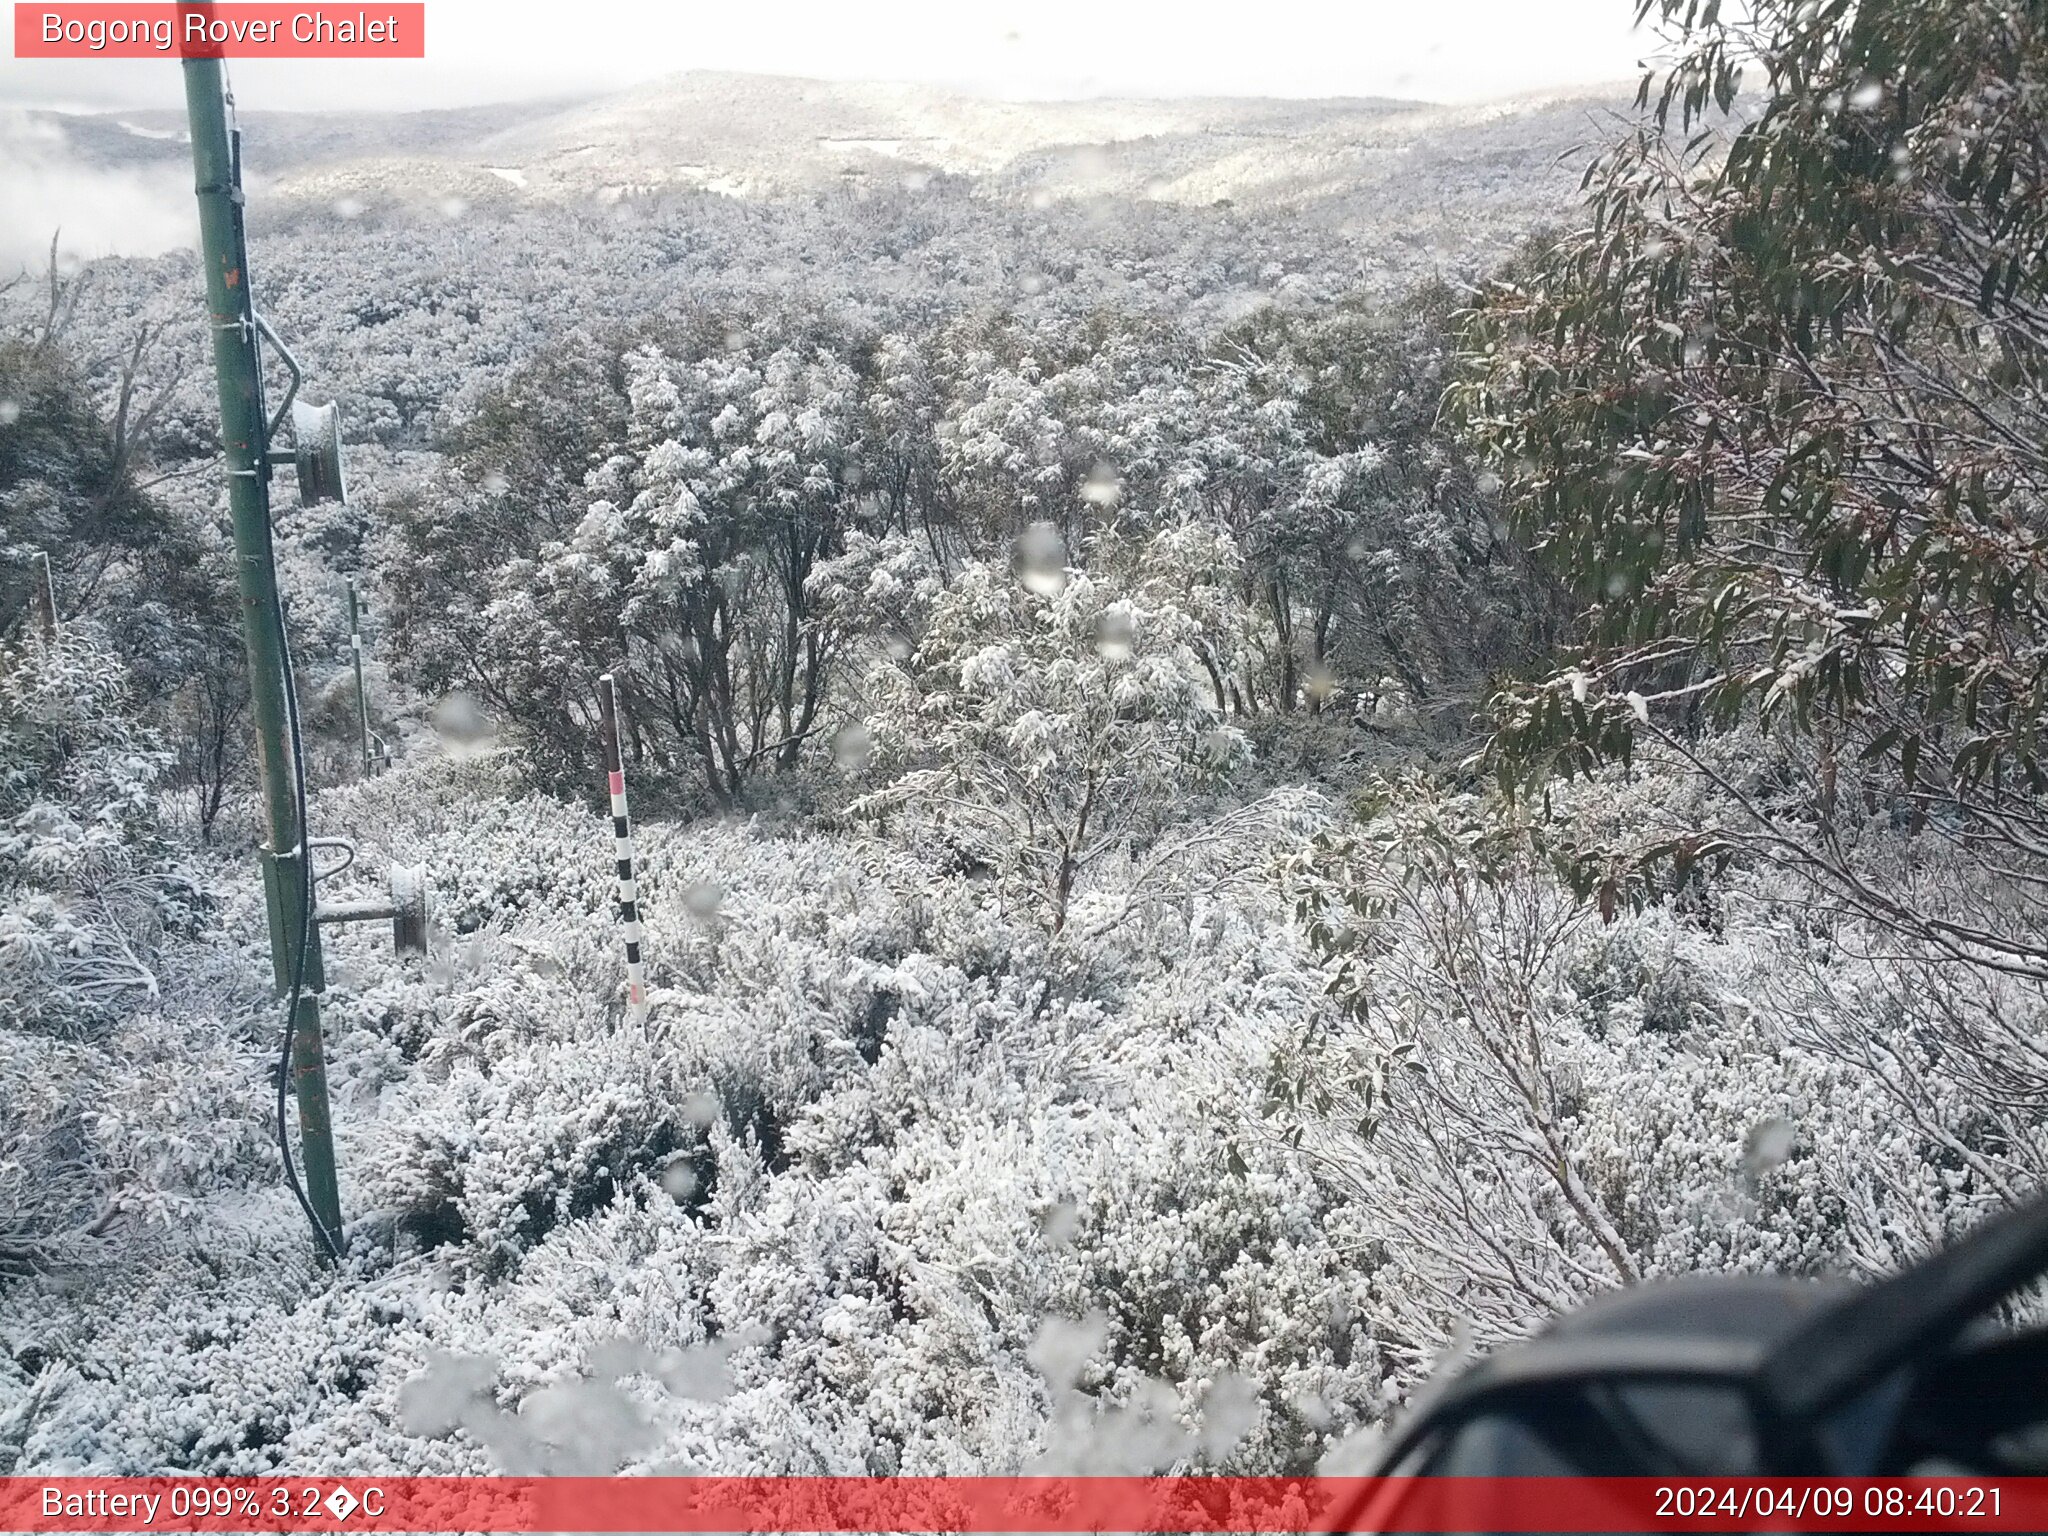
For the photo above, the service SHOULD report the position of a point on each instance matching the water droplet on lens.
(462, 722)
(851, 748)
(679, 1179)
(1768, 1144)
(1060, 1222)
(1115, 639)
(1042, 559)
(1313, 1411)
(1104, 487)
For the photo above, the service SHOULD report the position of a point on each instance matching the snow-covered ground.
(1101, 1021)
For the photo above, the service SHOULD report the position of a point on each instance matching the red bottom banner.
(1020, 1504)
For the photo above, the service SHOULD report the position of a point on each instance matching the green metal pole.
(355, 648)
(216, 158)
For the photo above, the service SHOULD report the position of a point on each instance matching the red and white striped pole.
(622, 847)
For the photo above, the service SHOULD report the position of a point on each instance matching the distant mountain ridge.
(1366, 163)
(1414, 181)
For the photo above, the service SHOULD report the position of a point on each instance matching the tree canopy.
(1776, 413)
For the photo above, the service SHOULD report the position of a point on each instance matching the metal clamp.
(291, 366)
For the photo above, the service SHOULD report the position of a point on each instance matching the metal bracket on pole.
(344, 845)
(291, 366)
(406, 907)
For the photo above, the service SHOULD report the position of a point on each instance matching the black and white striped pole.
(622, 848)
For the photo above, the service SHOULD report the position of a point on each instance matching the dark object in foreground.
(1756, 1375)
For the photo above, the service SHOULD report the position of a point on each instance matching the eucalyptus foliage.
(1776, 414)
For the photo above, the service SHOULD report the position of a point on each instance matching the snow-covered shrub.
(80, 878)
(1035, 1134)
(1530, 1102)
(862, 1154)
(84, 895)
(1052, 718)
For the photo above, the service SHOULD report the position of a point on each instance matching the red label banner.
(1020, 1504)
(157, 30)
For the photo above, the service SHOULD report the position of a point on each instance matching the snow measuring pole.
(245, 443)
(627, 864)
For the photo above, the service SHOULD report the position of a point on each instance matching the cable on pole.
(308, 883)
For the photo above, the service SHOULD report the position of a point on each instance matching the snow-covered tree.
(1050, 717)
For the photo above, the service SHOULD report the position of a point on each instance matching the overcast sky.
(493, 50)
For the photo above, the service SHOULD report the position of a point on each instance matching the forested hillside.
(1235, 798)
